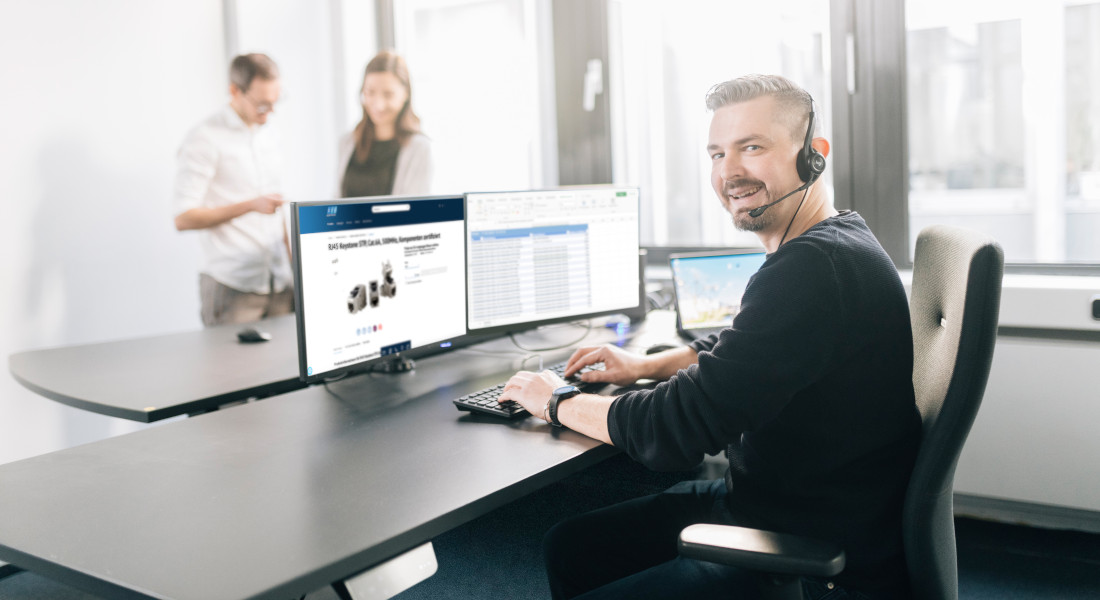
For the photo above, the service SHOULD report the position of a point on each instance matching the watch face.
(565, 389)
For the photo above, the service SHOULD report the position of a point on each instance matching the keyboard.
(485, 401)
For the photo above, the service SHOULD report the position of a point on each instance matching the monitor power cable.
(587, 330)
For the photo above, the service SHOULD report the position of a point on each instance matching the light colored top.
(223, 161)
(414, 171)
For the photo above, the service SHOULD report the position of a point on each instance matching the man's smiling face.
(753, 155)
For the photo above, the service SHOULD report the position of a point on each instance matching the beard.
(741, 218)
(745, 222)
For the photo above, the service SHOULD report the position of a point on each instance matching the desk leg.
(391, 577)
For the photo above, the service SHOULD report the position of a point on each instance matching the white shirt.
(223, 161)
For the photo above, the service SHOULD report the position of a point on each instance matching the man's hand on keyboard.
(620, 367)
(532, 390)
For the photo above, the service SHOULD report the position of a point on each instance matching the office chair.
(953, 306)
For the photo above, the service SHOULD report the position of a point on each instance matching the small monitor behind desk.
(709, 286)
(375, 277)
(549, 256)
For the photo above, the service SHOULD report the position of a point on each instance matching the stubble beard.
(745, 222)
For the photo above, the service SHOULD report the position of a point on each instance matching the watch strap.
(555, 399)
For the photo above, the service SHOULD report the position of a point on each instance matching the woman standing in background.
(386, 153)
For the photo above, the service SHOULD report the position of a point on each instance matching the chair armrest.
(760, 550)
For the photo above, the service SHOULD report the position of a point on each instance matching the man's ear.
(821, 145)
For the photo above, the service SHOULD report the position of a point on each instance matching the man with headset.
(809, 391)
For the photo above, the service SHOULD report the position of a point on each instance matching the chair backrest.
(954, 304)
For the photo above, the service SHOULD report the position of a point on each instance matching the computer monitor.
(549, 256)
(375, 278)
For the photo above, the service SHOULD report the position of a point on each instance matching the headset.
(810, 165)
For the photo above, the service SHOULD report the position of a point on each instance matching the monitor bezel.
(299, 314)
(498, 330)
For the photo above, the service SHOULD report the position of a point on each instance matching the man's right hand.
(266, 204)
(619, 366)
(202, 217)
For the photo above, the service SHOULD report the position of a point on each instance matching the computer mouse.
(655, 348)
(250, 335)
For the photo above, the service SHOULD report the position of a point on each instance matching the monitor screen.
(709, 285)
(537, 257)
(375, 277)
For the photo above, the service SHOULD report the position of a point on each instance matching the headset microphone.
(810, 164)
(759, 210)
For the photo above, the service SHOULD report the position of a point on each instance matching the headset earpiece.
(810, 163)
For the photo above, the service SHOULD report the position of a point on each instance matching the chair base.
(779, 587)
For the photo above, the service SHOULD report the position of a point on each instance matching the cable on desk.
(587, 330)
(328, 380)
(529, 357)
(523, 358)
(330, 390)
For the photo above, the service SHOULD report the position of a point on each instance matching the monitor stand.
(395, 364)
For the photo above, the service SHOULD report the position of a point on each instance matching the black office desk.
(154, 378)
(277, 498)
(149, 379)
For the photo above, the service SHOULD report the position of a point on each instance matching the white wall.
(297, 35)
(1034, 439)
(96, 97)
(1035, 436)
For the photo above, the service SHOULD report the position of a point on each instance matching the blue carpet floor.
(1010, 562)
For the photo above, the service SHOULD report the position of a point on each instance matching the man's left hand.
(532, 391)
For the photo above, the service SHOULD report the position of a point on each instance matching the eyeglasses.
(262, 108)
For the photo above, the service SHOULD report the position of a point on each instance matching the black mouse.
(655, 348)
(250, 335)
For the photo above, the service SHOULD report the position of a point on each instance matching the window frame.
(869, 79)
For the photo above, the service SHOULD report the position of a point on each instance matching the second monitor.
(537, 257)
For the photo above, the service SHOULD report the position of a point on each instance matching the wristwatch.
(562, 393)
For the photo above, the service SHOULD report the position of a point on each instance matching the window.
(479, 85)
(1082, 132)
(663, 58)
(1004, 124)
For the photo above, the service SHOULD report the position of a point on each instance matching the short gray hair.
(794, 102)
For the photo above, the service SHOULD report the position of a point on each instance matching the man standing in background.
(227, 182)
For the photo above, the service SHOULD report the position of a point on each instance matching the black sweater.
(811, 392)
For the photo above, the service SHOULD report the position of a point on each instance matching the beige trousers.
(222, 304)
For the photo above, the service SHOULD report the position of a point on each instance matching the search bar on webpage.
(388, 208)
